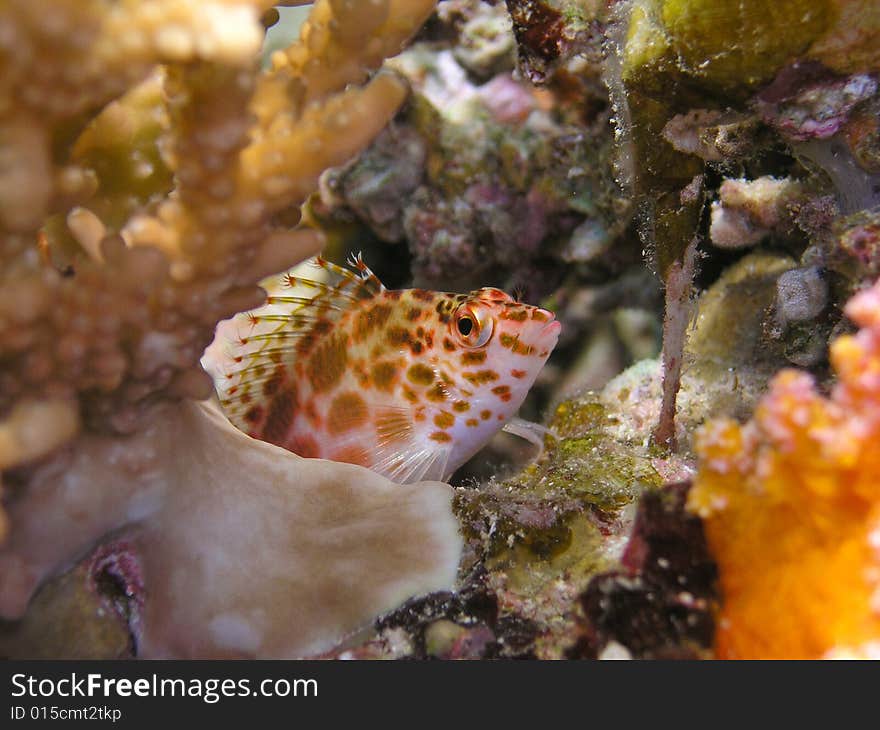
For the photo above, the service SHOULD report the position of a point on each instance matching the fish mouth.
(552, 325)
(548, 335)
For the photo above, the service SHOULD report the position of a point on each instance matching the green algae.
(720, 46)
(545, 532)
(736, 44)
(67, 620)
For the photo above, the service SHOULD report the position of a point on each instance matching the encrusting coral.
(791, 508)
(139, 205)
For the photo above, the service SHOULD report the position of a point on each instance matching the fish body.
(410, 383)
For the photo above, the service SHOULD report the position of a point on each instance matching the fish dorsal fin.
(403, 454)
(361, 283)
(285, 327)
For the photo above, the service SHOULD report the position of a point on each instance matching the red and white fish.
(410, 383)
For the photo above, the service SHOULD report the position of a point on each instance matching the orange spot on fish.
(444, 419)
(271, 386)
(370, 319)
(472, 422)
(485, 415)
(481, 377)
(312, 414)
(473, 357)
(280, 416)
(410, 395)
(304, 445)
(437, 393)
(328, 363)
(517, 315)
(519, 374)
(347, 411)
(397, 336)
(384, 375)
(520, 349)
(461, 406)
(441, 437)
(352, 455)
(420, 374)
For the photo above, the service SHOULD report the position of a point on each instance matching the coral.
(215, 228)
(863, 136)
(790, 505)
(690, 100)
(712, 135)
(277, 556)
(814, 104)
(801, 298)
(484, 177)
(151, 176)
(536, 539)
(660, 604)
(486, 46)
(748, 211)
(68, 619)
(852, 250)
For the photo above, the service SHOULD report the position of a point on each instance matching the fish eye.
(471, 329)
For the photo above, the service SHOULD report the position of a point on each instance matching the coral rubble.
(485, 177)
(790, 505)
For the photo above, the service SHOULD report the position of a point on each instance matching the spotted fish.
(410, 383)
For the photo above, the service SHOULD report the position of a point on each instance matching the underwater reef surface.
(699, 207)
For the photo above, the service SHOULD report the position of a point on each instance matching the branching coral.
(792, 509)
(139, 206)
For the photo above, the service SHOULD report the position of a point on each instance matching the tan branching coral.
(194, 162)
(150, 177)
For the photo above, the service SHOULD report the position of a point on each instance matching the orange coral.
(791, 504)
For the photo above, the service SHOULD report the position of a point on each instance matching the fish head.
(493, 348)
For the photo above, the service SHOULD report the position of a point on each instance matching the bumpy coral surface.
(151, 176)
(792, 508)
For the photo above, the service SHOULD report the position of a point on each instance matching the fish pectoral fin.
(401, 455)
(532, 432)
